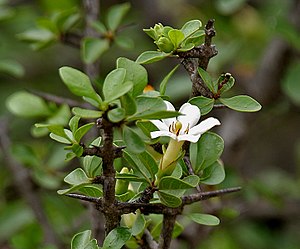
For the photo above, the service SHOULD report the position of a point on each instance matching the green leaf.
(115, 15)
(213, 174)
(206, 151)
(73, 123)
(83, 241)
(125, 42)
(155, 232)
(77, 149)
(176, 37)
(25, 104)
(226, 86)
(207, 80)
(204, 219)
(116, 115)
(137, 165)
(77, 177)
(151, 108)
(163, 84)
(132, 140)
(146, 127)
(135, 73)
(128, 103)
(168, 199)
(116, 238)
(149, 162)
(205, 104)
(80, 132)
(150, 57)
(92, 165)
(78, 83)
(172, 183)
(186, 47)
(130, 177)
(91, 190)
(114, 85)
(60, 139)
(93, 48)
(196, 39)
(86, 113)
(190, 27)
(11, 67)
(241, 103)
(37, 35)
(139, 225)
(99, 26)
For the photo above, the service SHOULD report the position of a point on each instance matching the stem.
(166, 232)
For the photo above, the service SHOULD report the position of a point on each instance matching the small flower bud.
(164, 44)
(122, 185)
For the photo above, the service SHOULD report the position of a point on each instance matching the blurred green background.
(258, 43)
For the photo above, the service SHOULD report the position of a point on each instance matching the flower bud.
(122, 185)
(164, 44)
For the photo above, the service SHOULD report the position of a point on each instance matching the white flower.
(184, 127)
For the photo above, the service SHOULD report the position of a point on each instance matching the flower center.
(176, 127)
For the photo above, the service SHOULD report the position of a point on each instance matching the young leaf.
(116, 238)
(132, 140)
(93, 48)
(135, 73)
(205, 104)
(172, 183)
(204, 219)
(176, 37)
(77, 177)
(213, 174)
(206, 151)
(114, 85)
(116, 115)
(115, 15)
(207, 80)
(60, 139)
(241, 103)
(92, 165)
(150, 57)
(168, 199)
(25, 104)
(190, 27)
(163, 84)
(82, 241)
(78, 83)
(86, 113)
(81, 131)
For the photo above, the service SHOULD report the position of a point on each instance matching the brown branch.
(199, 57)
(71, 39)
(26, 188)
(99, 151)
(166, 232)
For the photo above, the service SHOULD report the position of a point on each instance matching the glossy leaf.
(81, 131)
(60, 139)
(190, 27)
(132, 140)
(213, 174)
(93, 48)
(163, 84)
(27, 105)
(116, 238)
(116, 115)
(83, 241)
(135, 73)
(207, 80)
(114, 85)
(206, 151)
(204, 219)
(115, 15)
(168, 199)
(205, 104)
(176, 37)
(241, 103)
(78, 83)
(172, 183)
(149, 162)
(86, 113)
(150, 57)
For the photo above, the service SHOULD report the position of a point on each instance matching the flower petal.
(160, 125)
(204, 126)
(191, 115)
(155, 134)
(170, 107)
(189, 137)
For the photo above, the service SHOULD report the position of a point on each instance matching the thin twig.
(166, 231)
